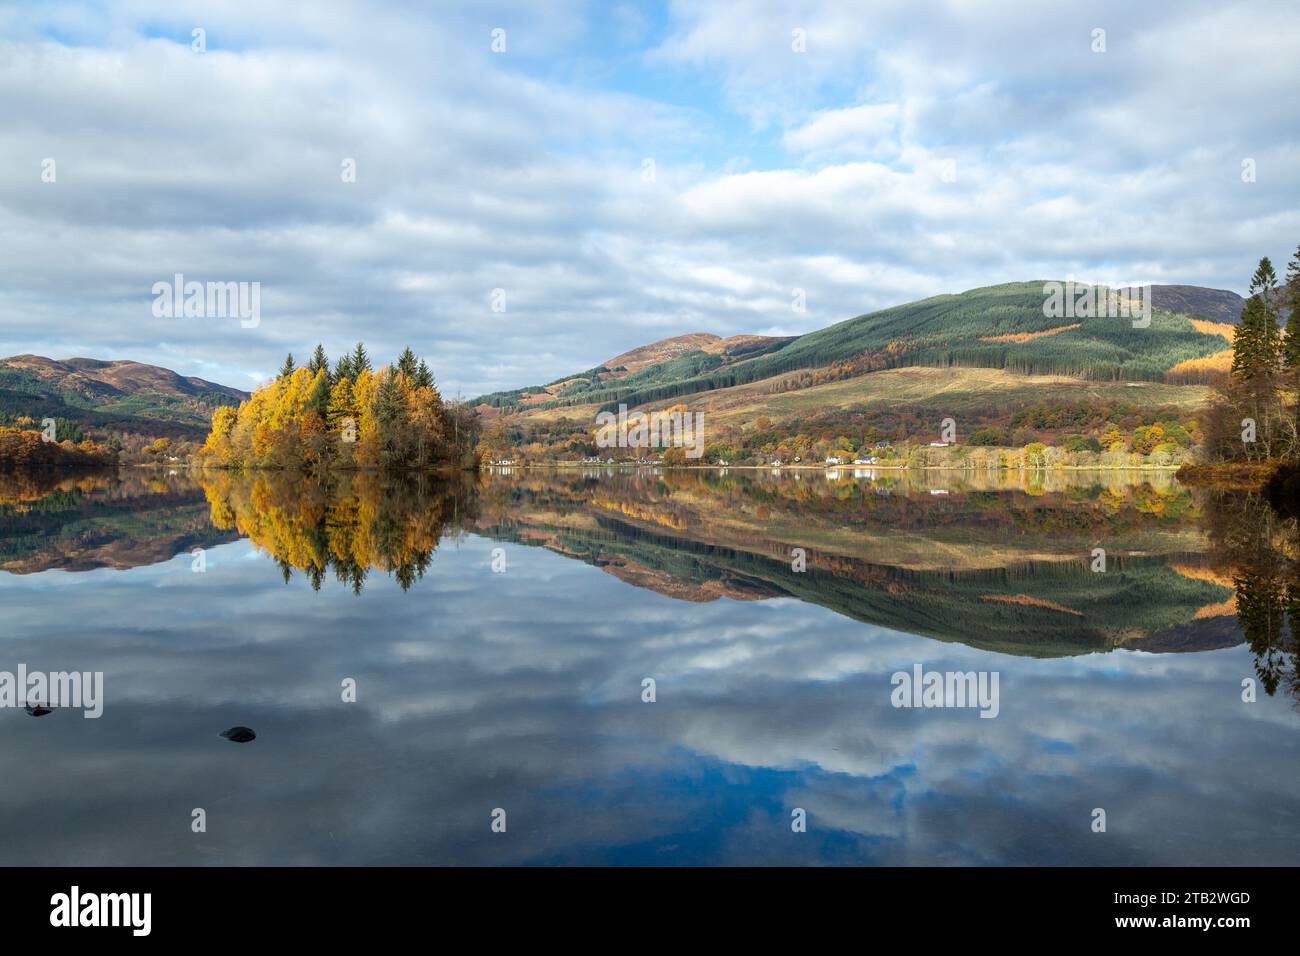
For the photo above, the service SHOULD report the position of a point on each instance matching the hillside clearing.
(953, 391)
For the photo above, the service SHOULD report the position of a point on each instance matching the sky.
(541, 186)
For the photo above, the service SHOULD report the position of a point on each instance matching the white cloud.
(522, 171)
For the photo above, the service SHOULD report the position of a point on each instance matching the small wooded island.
(350, 417)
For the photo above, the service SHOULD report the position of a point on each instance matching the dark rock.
(240, 735)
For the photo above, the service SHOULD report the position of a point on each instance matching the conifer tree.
(1264, 283)
(1248, 342)
(389, 408)
(424, 377)
(360, 360)
(287, 369)
(318, 399)
(318, 361)
(1291, 294)
(407, 364)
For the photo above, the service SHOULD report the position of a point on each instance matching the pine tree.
(407, 364)
(390, 414)
(389, 407)
(343, 369)
(360, 360)
(1264, 283)
(1256, 361)
(1246, 342)
(318, 361)
(287, 369)
(319, 397)
(1291, 294)
(423, 377)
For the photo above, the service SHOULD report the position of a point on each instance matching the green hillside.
(144, 404)
(973, 329)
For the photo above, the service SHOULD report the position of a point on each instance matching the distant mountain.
(1214, 305)
(734, 348)
(664, 361)
(999, 327)
(93, 378)
(101, 396)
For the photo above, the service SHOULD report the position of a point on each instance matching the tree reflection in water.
(1258, 547)
(346, 525)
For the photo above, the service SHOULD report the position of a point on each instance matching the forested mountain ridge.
(90, 396)
(1002, 326)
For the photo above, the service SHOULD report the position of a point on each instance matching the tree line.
(22, 448)
(1254, 415)
(350, 416)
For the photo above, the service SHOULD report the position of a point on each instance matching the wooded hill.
(1001, 327)
(93, 397)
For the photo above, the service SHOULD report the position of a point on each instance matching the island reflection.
(999, 562)
(522, 689)
(995, 563)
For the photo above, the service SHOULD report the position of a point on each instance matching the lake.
(606, 666)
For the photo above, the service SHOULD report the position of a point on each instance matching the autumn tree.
(389, 418)
(341, 404)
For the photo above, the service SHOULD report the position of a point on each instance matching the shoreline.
(1237, 476)
(827, 468)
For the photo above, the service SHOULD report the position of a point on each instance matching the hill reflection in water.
(1012, 562)
(522, 689)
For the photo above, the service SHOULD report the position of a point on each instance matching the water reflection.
(1005, 562)
(89, 520)
(989, 563)
(1256, 548)
(347, 525)
(522, 689)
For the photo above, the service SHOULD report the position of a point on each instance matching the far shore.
(824, 468)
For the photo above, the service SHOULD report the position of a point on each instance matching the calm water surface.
(499, 634)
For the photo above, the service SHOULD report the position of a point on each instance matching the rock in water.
(39, 710)
(240, 735)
